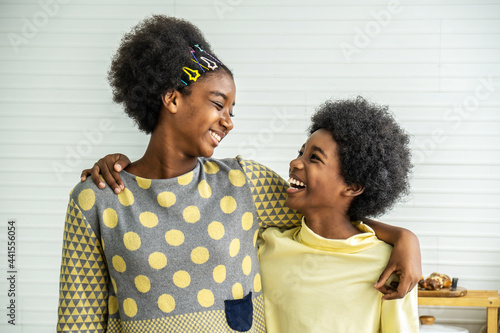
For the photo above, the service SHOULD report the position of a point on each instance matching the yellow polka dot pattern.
(246, 265)
(228, 204)
(126, 197)
(204, 189)
(132, 241)
(110, 218)
(148, 219)
(119, 264)
(237, 178)
(112, 305)
(211, 167)
(157, 260)
(234, 247)
(185, 179)
(143, 182)
(206, 298)
(181, 279)
(216, 230)
(130, 307)
(200, 255)
(191, 214)
(166, 303)
(166, 199)
(174, 237)
(257, 283)
(237, 291)
(86, 199)
(142, 283)
(247, 221)
(219, 273)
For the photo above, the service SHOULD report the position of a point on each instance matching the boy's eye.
(315, 157)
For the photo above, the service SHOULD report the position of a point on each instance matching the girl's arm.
(405, 260)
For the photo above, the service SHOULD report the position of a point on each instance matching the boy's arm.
(405, 260)
(109, 167)
(83, 294)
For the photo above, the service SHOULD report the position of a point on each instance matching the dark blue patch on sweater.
(239, 313)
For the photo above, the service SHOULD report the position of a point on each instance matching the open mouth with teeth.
(216, 136)
(296, 184)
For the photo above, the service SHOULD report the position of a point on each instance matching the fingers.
(85, 173)
(110, 178)
(382, 280)
(94, 173)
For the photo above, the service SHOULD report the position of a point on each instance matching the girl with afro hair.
(175, 250)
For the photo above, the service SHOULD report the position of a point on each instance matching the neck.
(332, 225)
(162, 159)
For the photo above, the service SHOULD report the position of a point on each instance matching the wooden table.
(474, 298)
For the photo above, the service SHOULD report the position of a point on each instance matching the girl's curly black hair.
(149, 64)
(373, 151)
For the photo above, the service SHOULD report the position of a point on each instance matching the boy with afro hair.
(319, 277)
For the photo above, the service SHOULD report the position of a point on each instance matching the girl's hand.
(109, 166)
(405, 262)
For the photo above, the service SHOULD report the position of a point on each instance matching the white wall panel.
(435, 63)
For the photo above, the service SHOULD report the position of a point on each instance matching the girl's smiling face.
(315, 177)
(203, 117)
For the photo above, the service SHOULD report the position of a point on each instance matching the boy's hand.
(408, 271)
(109, 166)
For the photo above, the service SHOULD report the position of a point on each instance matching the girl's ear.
(354, 190)
(170, 100)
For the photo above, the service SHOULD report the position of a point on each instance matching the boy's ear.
(354, 190)
(170, 100)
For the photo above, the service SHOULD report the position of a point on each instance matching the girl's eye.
(218, 105)
(301, 153)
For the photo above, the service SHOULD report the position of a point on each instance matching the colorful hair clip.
(189, 71)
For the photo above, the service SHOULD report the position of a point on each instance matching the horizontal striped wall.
(435, 63)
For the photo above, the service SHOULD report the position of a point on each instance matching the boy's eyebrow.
(316, 148)
(221, 94)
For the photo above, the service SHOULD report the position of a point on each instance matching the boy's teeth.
(296, 182)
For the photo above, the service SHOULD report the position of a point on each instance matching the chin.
(291, 204)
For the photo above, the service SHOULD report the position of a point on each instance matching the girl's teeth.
(217, 137)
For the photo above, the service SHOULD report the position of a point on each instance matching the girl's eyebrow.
(221, 94)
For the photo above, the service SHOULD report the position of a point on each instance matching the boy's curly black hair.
(149, 64)
(373, 151)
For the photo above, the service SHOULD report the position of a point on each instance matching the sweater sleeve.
(269, 195)
(400, 315)
(83, 295)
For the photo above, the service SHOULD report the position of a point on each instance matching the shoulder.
(274, 233)
(86, 194)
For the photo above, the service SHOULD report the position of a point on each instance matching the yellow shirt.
(315, 284)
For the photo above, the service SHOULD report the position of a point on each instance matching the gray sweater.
(170, 255)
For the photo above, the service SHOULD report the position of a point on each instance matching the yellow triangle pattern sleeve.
(83, 294)
(269, 195)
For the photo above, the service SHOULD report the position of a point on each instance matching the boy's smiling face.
(315, 177)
